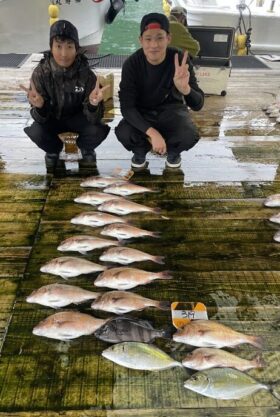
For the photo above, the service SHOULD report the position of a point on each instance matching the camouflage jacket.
(65, 91)
(181, 37)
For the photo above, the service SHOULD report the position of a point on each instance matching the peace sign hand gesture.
(96, 96)
(182, 75)
(34, 98)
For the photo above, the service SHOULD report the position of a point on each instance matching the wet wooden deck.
(218, 242)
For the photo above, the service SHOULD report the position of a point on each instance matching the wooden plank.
(20, 212)
(225, 411)
(120, 395)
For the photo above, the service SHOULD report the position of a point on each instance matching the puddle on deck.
(235, 155)
(218, 243)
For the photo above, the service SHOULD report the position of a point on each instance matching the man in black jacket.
(157, 86)
(65, 96)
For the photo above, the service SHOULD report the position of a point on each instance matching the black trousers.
(174, 124)
(45, 135)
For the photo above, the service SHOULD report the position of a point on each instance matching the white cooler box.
(213, 64)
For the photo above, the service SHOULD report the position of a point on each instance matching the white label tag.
(189, 314)
(220, 37)
(184, 312)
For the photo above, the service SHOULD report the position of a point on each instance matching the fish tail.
(163, 305)
(258, 361)
(156, 210)
(155, 234)
(96, 295)
(159, 260)
(275, 394)
(256, 341)
(168, 332)
(165, 275)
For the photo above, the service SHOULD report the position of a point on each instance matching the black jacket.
(65, 91)
(145, 87)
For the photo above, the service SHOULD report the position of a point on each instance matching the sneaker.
(173, 161)
(138, 161)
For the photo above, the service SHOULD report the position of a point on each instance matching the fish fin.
(202, 333)
(165, 217)
(165, 275)
(124, 241)
(258, 361)
(168, 332)
(82, 252)
(256, 341)
(274, 393)
(54, 303)
(156, 234)
(210, 345)
(156, 210)
(159, 260)
(164, 305)
(64, 277)
(146, 323)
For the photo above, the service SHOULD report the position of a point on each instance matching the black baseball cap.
(154, 21)
(64, 29)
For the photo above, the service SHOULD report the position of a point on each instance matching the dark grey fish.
(128, 329)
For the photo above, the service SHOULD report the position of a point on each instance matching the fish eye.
(115, 299)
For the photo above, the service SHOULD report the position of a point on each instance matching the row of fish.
(71, 266)
(69, 325)
(131, 336)
(199, 333)
(115, 227)
(226, 383)
(118, 302)
(59, 295)
(119, 278)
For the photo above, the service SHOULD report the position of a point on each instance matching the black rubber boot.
(89, 157)
(51, 160)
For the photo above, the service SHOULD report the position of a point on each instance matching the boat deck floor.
(217, 242)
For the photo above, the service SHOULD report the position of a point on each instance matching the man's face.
(154, 43)
(64, 52)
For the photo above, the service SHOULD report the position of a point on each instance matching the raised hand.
(97, 93)
(182, 75)
(34, 98)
